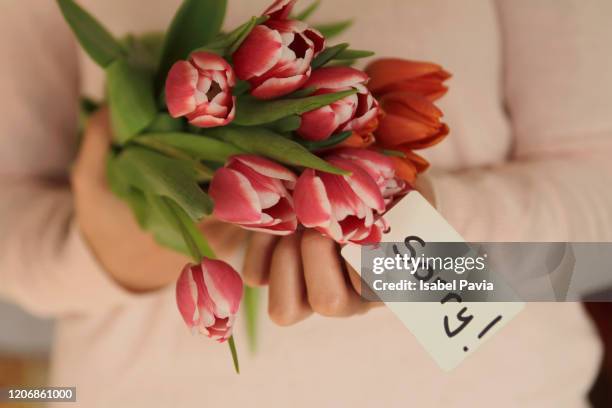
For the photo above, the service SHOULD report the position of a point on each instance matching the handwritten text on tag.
(451, 329)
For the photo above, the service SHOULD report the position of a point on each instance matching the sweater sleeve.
(45, 265)
(558, 94)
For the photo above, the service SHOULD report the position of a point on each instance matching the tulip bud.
(252, 191)
(351, 113)
(345, 208)
(208, 296)
(421, 78)
(275, 57)
(201, 90)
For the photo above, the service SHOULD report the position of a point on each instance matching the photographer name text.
(437, 286)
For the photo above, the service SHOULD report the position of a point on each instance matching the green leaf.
(140, 208)
(328, 54)
(327, 143)
(253, 112)
(284, 125)
(193, 231)
(144, 50)
(99, 44)
(308, 11)
(163, 122)
(353, 54)
(116, 183)
(196, 146)
(251, 309)
(339, 52)
(130, 99)
(195, 24)
(228, 43)
(153, 42)
(302, 93)
(241, 88)
(154, 173)
(150, 212)
(121, 188)
(210, 48)
(334, 29)
(203, 173)
(192, 237)
(160, 223)
(274, 146)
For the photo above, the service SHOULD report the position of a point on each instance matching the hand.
(129, 255)
(306, 274)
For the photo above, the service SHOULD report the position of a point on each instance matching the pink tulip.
(208, 296)
(352, 113)
(345, 208)
(275, 58)
(252, 191)
(380, 168)
(201, 90)
(280, 9)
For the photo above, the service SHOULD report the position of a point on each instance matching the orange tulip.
(410, 166)
(406, 170)
(409, 120)
(422, 78)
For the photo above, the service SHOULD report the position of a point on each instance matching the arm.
(65, 251)
(559, 95)
(44, 264)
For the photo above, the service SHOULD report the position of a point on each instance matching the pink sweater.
(530, 109)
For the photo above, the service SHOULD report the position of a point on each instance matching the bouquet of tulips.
(266, 126)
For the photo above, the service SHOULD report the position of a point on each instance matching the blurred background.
(25, 345)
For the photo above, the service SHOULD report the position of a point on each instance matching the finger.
(258, 258)
(329, 291)
(91, 160)
(366, 294)
(287, 302)
(224, 239)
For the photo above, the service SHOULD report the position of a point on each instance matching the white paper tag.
(470, 323)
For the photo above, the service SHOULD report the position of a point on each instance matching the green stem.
(232, 347)
(251, 308)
